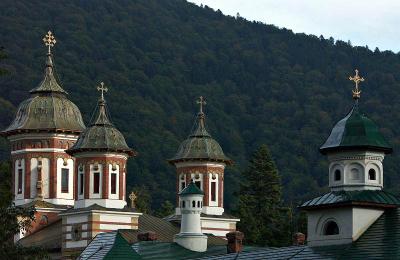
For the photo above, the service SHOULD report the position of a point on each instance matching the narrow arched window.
(183, 204)
(198, 204)
(331, 228)
(337, 175)
(193, 204)
(372, 174)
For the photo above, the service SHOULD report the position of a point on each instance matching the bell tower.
(200, 158)
(45, 125)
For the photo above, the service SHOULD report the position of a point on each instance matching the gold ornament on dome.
(357, 79)
(49, 40)
(133, 198)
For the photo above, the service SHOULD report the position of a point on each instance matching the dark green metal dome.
(200, 146)
(354, 132)
(191, 189)
(48, 109)
(101, 136)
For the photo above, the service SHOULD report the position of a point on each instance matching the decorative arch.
(331, 228)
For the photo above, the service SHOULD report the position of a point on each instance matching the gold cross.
(49, 40)
(103, 89)
(202, 102)
(133, 198)
(357, 79)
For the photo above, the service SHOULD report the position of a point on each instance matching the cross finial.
(49, 40)
(201, 102)
(357, 79)
(103, 89)
(133, 198)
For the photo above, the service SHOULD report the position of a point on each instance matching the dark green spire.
(101, 135)
(200, 146)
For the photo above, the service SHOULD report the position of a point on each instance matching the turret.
(45, 125)
(191, 205)
(200, 158)
(101, 154)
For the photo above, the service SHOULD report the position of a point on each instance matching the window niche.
(331, 228)
(372, 175)
(337, 175)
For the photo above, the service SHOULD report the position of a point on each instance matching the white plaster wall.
(70, 166)
(116, 171)
(73, 219)
(91, 188)
(45, 177)
(19, 164)
(34, 177)
(351, 162)
(362, 219)
(73, 244)
(190, 222)
(115, 218)
(352, 223)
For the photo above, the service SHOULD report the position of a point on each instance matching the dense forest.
(263, 84)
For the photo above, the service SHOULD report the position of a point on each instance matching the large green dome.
(101, 136)
(48, 109)
(355, 132)
(200, 146)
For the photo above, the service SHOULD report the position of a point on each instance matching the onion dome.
(355, 131)
(200, 146)
(48, 109)
(101, 135)
(191, 189)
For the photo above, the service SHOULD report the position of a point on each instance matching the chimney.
(147, 236)
(299, 239)
(235, 239)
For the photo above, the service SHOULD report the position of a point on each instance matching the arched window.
(198, 204)
(372, 174)
(331, 228)
(337, 175)
(183, 204)
(193, 204)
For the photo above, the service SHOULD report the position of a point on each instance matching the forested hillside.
(262, 84)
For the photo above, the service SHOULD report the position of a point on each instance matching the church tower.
(101, 154)
(45, 125)
(100, 179)
(355, 150)
(200, 158)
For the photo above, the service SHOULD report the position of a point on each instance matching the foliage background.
(263, 84)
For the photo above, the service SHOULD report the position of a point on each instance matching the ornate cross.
(103, 89)
(201, 102)
(357, 79)
(49, 40)
(133, 198)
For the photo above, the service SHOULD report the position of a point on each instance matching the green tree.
(166, 209)
(263, 219)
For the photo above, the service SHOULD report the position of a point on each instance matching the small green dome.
(48, 109)
(191, 189)
(101, 136)
(354, 132)
(200, 146)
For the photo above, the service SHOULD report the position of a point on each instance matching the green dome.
(200, 146)
(355, 132)
(48, 109)
(101, 136)
(191, 189)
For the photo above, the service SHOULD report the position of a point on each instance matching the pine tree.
(166, 209)
(262, 216)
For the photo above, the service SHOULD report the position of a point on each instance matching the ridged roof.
(200, 146)
(364, 197)
(48, 109)
(355, 131)
(101, 135)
